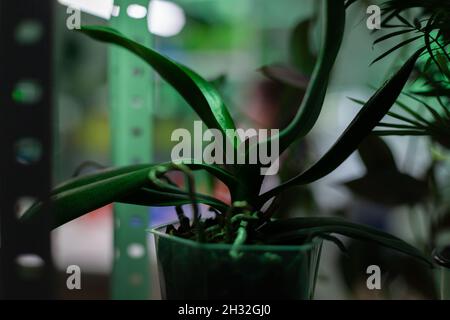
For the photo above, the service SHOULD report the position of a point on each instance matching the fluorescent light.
(136, 11)
(165, 18)
(99, 8)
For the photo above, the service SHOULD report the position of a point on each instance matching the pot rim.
(157, 231)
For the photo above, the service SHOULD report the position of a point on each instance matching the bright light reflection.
(165, 18)
(136, 11)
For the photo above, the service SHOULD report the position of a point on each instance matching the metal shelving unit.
(131, 96)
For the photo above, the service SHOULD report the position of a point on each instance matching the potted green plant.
(242, 252)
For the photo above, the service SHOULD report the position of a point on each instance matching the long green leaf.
(97, 176)
(216, 171)
(394, 48)
(415, 114)
(392, 34)
(400, 133)
(311, 106)
(361, 126)
(198, 93)
(81, 195)
(405, 119)
(75, 202)
(437, 117)
(396, 126)
(154, 198)
(297, 228)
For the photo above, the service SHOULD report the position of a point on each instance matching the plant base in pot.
(192, 270)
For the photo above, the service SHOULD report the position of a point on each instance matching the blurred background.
(247, 48)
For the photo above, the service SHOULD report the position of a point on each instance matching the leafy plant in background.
(424, 111)
(428, 27)
(383, 182)
(247, 220)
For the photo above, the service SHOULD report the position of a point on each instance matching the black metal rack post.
(25, 140)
